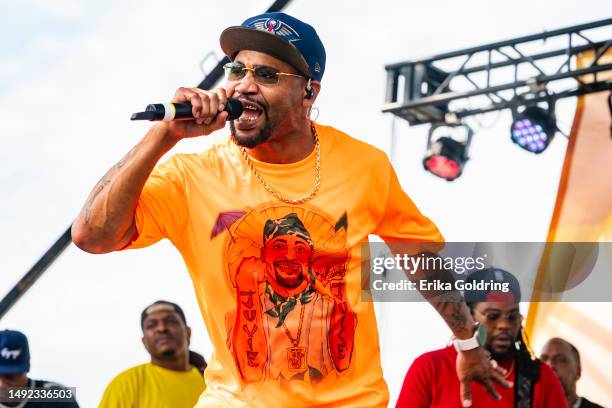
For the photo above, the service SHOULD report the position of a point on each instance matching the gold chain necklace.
(276, 194)
(296, 355)
(510, 370)
(295, 341)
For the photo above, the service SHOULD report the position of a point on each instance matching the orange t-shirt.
(279, 285)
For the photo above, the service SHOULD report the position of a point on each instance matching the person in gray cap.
(14, 368)
(213, 206)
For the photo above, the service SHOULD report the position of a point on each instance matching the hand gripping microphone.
(182, 111)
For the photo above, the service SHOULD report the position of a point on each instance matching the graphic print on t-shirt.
(292, 320)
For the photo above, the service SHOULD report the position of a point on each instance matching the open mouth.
(288, 268)
(251, 114)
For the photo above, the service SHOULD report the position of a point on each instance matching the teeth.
(287, 268)
(250, 107)
(250, 113)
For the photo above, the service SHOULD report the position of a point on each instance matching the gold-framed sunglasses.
(494, 316)
(263, 74)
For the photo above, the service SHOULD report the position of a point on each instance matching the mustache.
(504, 334)
(262, 104)
(161, 337)
(286, 261)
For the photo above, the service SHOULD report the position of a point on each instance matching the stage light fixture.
(446, 156)
(534, 128)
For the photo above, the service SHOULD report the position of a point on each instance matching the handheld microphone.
(182, 111)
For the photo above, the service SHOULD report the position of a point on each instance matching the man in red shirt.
(432, 382)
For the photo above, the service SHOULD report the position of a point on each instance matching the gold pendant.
(296, 358)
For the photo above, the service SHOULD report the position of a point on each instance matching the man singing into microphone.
(269, 222)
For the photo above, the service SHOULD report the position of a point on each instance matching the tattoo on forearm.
(448, 303)
(457, 319)
(101, 185)
(97, 190)
(454, 314)
(124, 159)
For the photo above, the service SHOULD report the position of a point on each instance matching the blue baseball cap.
(281, 36)
(14, 352)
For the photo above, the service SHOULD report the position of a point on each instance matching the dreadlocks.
(526, 363)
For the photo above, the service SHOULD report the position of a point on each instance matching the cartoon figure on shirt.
(293, 320)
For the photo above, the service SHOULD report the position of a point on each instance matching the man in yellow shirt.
(169, 380)
(270, 222)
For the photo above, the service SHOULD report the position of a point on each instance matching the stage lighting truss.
(447, 149)
(494, 76)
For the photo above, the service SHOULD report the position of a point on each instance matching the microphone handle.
(172, 111)
(181, 111)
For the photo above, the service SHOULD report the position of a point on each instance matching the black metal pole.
(35, 272)
(62, 243)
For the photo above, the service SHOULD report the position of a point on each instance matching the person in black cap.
(430, 381)
(14, 368)
(173, 378)
(275, 162)
(563, 357)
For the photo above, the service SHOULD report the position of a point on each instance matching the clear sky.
(72, 72)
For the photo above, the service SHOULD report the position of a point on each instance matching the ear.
(316, 88)
(188, 335)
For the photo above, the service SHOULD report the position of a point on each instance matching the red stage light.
(446, 157)
(443, 167)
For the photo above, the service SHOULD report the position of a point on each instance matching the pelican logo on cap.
(277, 27)
(10, 354)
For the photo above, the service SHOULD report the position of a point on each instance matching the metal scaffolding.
(499, 75)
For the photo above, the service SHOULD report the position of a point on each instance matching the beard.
(169, 353)
(251, 141)
(289, 282)
(497, 356)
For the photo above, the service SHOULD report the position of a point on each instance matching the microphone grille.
(234, 108)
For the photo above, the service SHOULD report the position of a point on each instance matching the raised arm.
(106, 222)
(474, 364)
